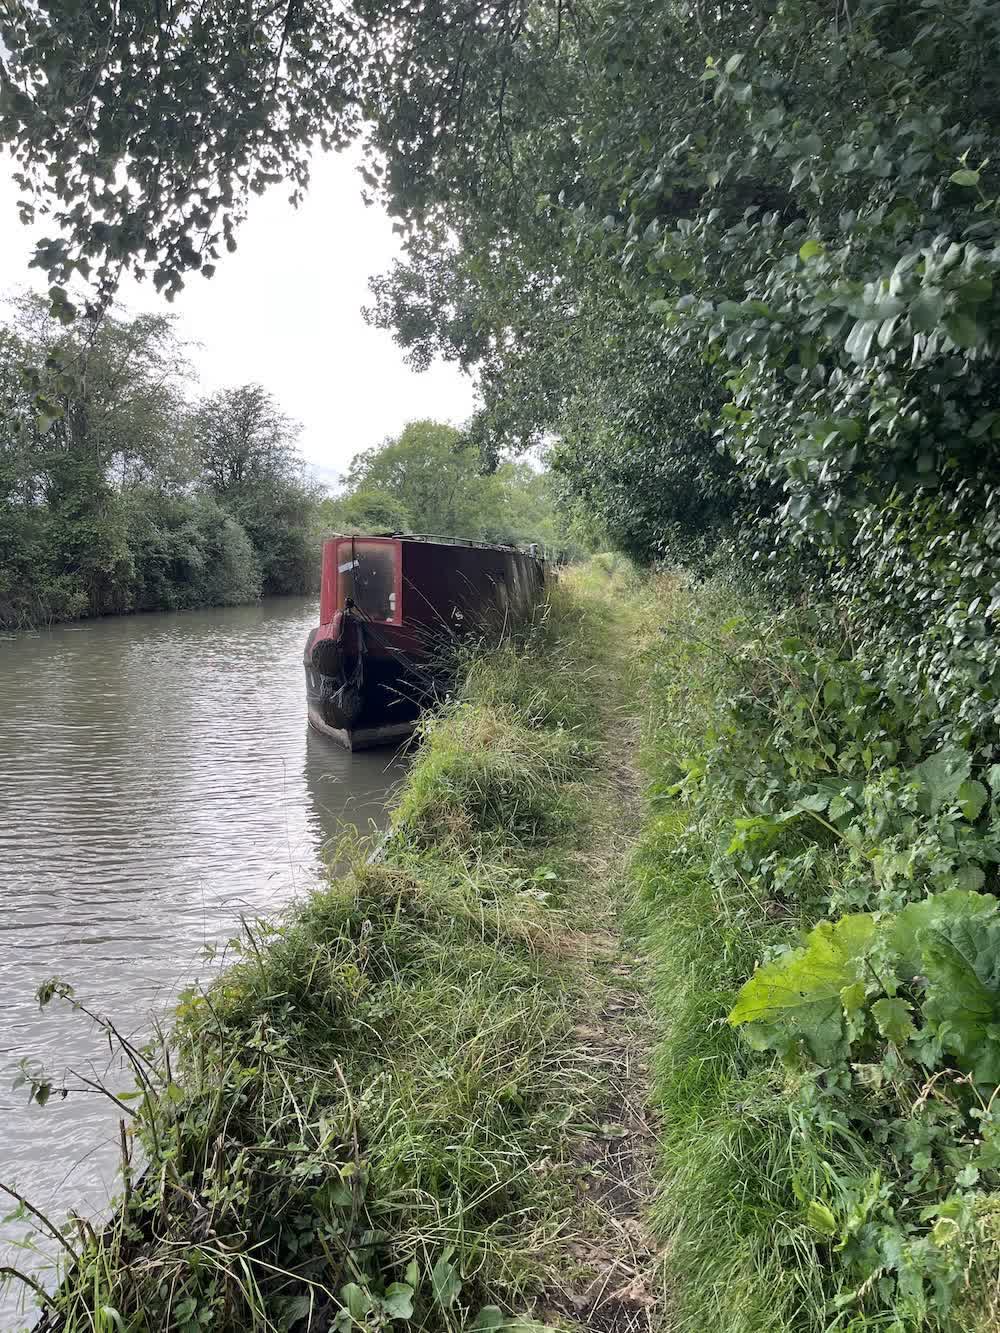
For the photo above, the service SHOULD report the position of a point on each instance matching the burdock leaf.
(961, 960)
(799, 996)
(932, 910)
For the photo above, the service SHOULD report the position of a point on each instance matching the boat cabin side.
(429, 584)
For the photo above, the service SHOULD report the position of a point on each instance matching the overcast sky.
(285, 310)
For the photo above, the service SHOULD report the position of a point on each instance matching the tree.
(246, 451)
(432, 472)
(365, 511)
(243, 440)
(781, 217)
(197, 104)
(109, 428)
(120, 498)
(431, 479)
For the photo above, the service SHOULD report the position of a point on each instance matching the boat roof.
(434, 539)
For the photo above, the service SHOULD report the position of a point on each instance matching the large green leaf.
(961, 960)
(941, 777)
(799, 996)
(935, 910)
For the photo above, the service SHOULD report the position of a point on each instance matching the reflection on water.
(157, 782)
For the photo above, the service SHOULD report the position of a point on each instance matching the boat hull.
(392, 610)
(362, 738)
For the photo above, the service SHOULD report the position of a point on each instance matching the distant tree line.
(127, 495)
(124, 493)
(430, 479)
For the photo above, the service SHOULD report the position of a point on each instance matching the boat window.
(366, 573)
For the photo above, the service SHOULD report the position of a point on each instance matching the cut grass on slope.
(737, 1263)
(371, 1117)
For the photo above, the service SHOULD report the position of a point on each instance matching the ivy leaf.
(810, 250)
(966, 177)
(798, 996)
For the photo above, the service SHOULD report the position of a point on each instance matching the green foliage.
(742, 262)
(922, 990)
(364, 510)
(125, 499)
(737, 1259)
(245, 451)
(188, 552)
(431, 479)
(805, 995)
(431, 474)
(876, 1163)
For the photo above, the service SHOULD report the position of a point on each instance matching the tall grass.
(736, 1261)
(365, 1119)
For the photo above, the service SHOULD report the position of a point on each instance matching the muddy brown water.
(157, 783)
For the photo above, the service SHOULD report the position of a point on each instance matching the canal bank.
(419, 1097)
(158, 782)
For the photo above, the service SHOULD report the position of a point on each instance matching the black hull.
(383, 712)
(362, 738)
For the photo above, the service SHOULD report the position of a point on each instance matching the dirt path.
(612, 1279)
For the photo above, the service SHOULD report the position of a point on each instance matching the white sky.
(285, 310)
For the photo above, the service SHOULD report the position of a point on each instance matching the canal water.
(157, 783)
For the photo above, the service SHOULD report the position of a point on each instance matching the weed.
(851, 1183)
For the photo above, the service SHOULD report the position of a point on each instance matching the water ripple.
(157, 782)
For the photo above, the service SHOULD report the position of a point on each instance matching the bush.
(188, 552)
(791, 782)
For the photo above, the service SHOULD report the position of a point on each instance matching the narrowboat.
(389, 609)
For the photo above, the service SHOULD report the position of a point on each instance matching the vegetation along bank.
(121, 490)
(741, 262)
(425, 1098)
(416, 1101)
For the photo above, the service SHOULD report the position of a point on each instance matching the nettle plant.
(892, 1024)
(850, 798)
